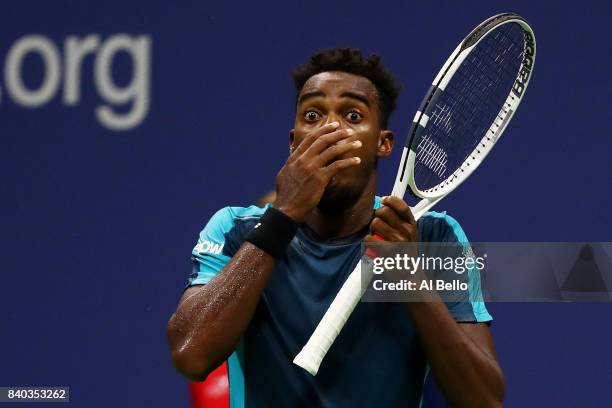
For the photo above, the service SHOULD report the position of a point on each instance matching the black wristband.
(273, 232)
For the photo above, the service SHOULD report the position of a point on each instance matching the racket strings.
(432, 156)
(469, 105)
(480, 83)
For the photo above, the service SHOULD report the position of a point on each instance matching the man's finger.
(325, 141)
(331, 170)
(313, 136)
(336, 150)
(371, 239)
(390, 216)
(400, 207)
(384, 230)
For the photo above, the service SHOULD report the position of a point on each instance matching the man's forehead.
(339, 82)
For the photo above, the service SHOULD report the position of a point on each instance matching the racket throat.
(423, 206)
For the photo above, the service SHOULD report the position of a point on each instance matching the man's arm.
(210, 319)
(462, 356)
(208, 323)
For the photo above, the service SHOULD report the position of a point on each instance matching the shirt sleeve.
(208, 256)
(466, 307)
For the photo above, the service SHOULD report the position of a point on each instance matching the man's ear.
(386, 140)
(291, 140)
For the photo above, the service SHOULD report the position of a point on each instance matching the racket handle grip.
(312, 354)
(369, 251)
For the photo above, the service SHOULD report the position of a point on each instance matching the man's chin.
(337, 198)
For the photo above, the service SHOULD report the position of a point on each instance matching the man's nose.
(334, 118)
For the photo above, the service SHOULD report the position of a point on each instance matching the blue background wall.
(96, 226)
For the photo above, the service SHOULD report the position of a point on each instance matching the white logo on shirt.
(209, 247)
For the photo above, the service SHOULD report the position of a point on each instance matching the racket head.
(468, 107)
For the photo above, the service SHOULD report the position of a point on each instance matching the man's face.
(352, 101)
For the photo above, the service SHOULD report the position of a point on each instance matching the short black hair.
(352, 61)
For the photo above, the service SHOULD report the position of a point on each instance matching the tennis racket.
(463, 115)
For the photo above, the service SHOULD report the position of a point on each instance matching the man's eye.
(354, 116)
(311, 116)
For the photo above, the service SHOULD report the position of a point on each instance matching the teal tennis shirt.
(377, 360)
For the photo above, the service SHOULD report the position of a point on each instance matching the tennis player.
(263, 277)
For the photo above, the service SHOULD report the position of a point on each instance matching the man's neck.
(352, 219)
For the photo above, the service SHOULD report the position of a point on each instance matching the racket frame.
(405, 178)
